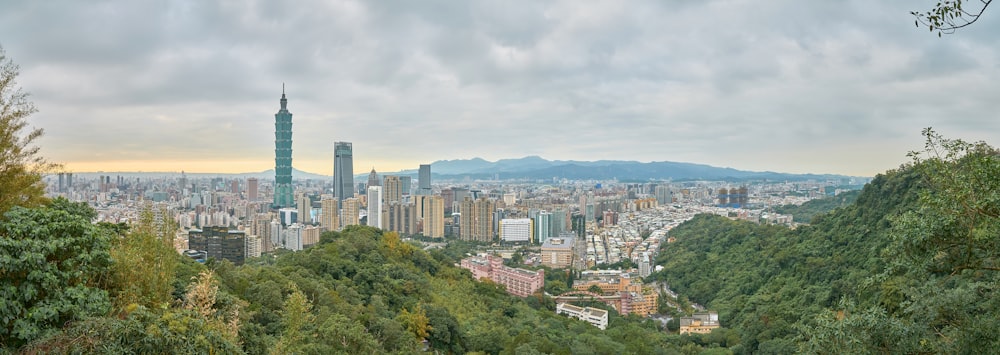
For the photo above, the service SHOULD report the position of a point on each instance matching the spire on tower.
(284, 101)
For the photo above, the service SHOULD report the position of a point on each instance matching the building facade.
(219, 243)
(392, 189)
(329, 216)
(343, 172)
(699, 323)
(283, 193)
(375, 209)
(558, 252)
(519, 282)
(424, 180)
(516, 230)
(351, 210)
(433, 217)
(595, 316)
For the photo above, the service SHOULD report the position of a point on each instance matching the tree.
(21, 167)
(950, 15)
(956, 225)
(51, 260)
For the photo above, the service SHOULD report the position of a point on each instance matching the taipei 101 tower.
(283, 196)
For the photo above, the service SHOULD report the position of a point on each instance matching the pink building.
(519, 282)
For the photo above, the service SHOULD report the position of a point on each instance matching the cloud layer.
(787, 86)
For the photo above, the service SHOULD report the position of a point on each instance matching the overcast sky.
(792, 86)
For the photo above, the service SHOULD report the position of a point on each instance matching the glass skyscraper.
(283, 196)
(343, 171)
(424, 180)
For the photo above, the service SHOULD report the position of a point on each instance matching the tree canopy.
(21, 166)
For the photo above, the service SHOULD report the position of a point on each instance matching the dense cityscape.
(726, 177)
(559, 223)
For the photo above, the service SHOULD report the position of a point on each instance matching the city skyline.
(829, 88)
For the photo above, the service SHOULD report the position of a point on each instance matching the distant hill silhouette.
(535, 167)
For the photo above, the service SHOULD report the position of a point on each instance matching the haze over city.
(790, 86)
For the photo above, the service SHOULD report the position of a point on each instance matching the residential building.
(329, 216)
(558, 252)
(252, 186)
(392, 189)
(519, 282)
(402, 218)
(636, 298)
(351, 211)
(699, 323)
(595, 316)
(482, 220)
(305, 209)
(433, 216)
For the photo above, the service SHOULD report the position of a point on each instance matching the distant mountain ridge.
(535, 167)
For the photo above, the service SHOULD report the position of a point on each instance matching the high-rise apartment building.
(476, 222)
(283, 196)
(252, 186)
(448, 195)
(424, 180)
(305, 209)
(433, 216)
(329, 218)
(351, 209)
(401, 218)
(343, 173)
(392, 188)
(375, 206)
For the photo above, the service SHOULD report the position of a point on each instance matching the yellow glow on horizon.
(322, 167)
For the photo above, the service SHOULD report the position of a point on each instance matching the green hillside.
(910, 267)
(358, 291)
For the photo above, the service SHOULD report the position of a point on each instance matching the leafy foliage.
(21, 167)
(950, 15)
(768, 281)
(51, 260)
(805, 212)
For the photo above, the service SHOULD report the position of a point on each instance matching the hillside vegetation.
(805, 212)
(358, 291)
(910, 267)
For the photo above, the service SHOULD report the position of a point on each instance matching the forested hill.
(805, 212)
(889, 273)
(765, 280)
(118, 290)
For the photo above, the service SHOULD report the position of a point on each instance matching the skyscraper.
(343, 172)
(433, 216)
(424, 180)
(373, 179)
(375, 206)
(283, 155)
(330, 218)
(350, 216)
(392, 188)
(252, 189)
